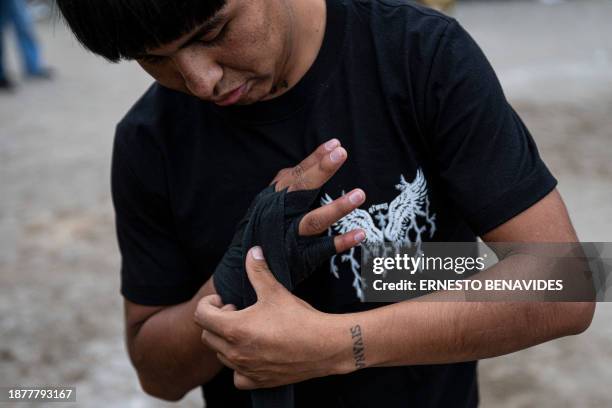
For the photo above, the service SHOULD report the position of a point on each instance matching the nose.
(199, 71)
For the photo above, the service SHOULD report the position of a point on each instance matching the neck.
(307, 19)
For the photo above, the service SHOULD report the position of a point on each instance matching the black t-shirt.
(431, 139)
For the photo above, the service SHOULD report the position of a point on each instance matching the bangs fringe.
(124, 29)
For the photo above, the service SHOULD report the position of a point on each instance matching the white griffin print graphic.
(404, 221)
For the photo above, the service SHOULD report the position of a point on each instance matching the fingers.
(314, 170)
(320, 152)
(318, 174)
(260, 276)
(214, 300)
(351, 239)
(215, 342)
(242, 382)
(226, 362)
(211, 314)
(320, 219)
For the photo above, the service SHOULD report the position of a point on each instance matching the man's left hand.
(279, 340)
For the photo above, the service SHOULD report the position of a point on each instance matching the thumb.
(259, 274)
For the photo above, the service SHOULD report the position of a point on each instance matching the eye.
(217, 38)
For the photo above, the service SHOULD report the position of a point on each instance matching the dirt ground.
(60, 310)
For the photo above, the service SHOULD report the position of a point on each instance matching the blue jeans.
(15, 12)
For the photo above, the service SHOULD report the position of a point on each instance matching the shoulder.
(401, 33)
(152, 114)
(393, 13)
(152, 123)
(141, 137)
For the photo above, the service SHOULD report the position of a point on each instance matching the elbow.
(583, 316)
(164, 392)
(151, 381)
(574, 317)
(154, 384)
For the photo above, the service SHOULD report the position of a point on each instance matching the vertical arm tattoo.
(358, 347)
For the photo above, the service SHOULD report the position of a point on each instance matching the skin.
(269, 45)
(266, 44)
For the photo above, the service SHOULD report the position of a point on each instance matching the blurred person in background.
(440, 5)
(15, 12)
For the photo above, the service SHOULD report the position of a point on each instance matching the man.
(245, 88)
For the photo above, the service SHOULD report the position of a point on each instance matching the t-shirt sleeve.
(486, 157)
(154, 267)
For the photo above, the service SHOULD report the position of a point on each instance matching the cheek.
(242, 54)
(166, 75)
(255, 48)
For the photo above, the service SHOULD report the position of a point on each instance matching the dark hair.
(124, 29)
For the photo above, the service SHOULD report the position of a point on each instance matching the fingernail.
(336, 155)
(257, 253)
(360, 236)
(332, 144)
(356, 197)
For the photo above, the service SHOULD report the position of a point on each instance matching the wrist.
(346, 353)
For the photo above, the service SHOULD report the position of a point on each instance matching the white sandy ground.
(60, 311)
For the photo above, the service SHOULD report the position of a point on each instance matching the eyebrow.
(208, 26)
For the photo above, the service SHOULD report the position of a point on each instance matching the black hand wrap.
(272, 222)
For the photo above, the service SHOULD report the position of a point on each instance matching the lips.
(233, 96)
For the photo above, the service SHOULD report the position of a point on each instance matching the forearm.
(435, 331)
(168, 353)
(414, 333)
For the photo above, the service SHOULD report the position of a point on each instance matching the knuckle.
(256, 379)
(275, 289)
(240, 334)
(314, 224)
(233, 356)
(297, 170)
(241, 360)
(298, 173)
(282, 173)
(199, 314)
(326, 166)
(204, 337)
(258, 267)
(232, 335)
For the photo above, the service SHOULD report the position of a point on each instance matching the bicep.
(545, 221)
(548, 221)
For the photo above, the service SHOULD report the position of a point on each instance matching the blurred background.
(61, 316)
